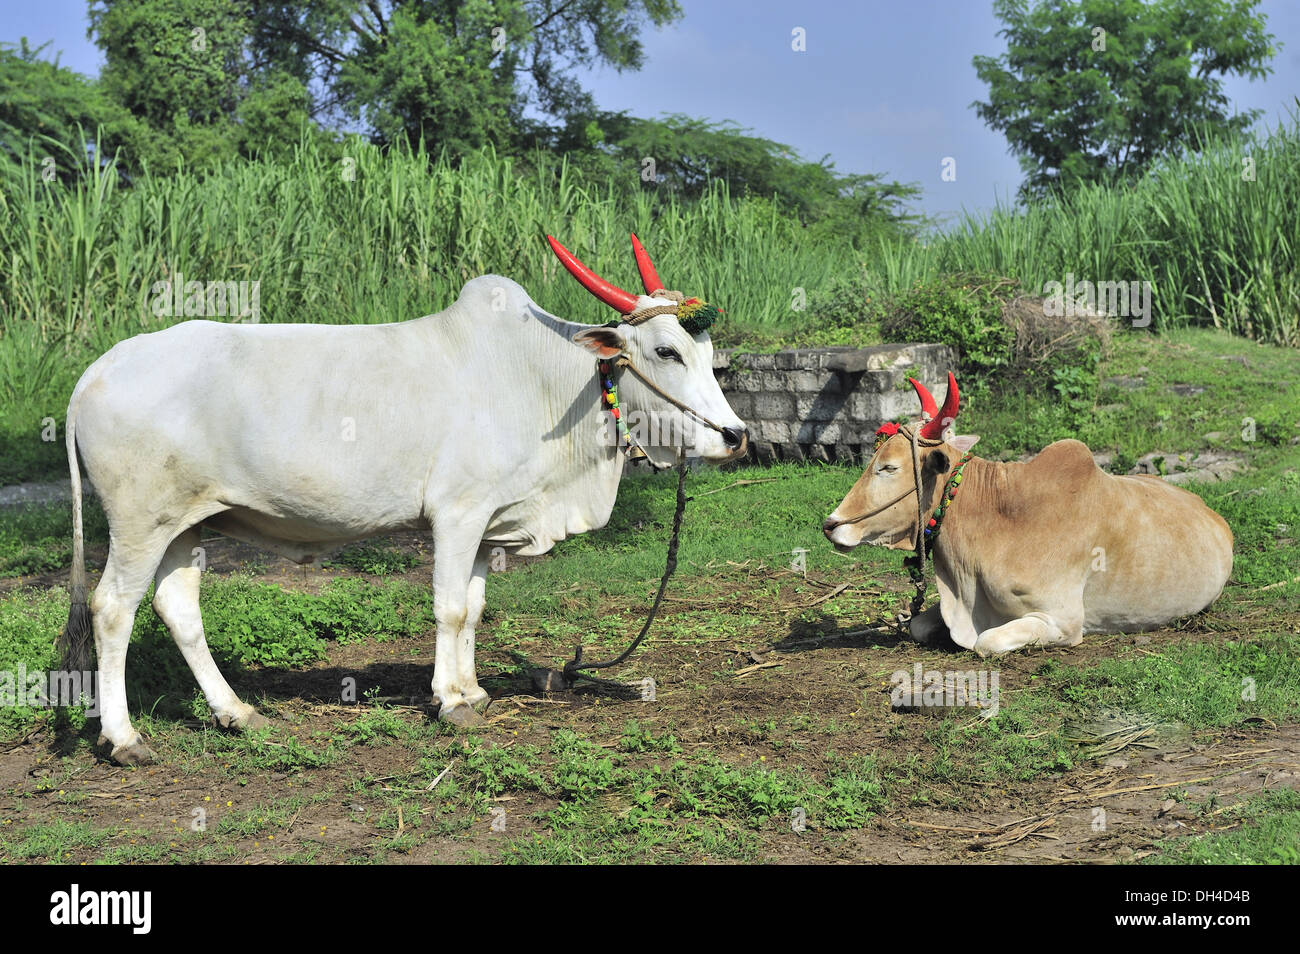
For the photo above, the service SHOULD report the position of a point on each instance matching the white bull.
(485, 423)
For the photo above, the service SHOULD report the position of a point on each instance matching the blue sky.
(882, 86)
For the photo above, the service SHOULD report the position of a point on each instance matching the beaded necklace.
(610, 396)
(949, 494)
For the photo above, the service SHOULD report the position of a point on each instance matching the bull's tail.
(78, 637)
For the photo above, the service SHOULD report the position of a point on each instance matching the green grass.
(30, 621)
(613, 810)
(1201, 685)
(1184, 687)
(377, 559)
(1269, 834)
(1131, 421)
(1215, 247)
(646, 790)
(50, 842)
(34, 539)
(247, 624)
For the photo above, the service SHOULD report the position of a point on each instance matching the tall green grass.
(389, 236)
(1217, 247)
(380, 237)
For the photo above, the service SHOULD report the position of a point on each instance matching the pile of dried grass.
(1039, 336)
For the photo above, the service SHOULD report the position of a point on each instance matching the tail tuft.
(77, 638)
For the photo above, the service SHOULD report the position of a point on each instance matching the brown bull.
(1035, 553)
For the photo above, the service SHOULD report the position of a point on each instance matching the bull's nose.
(733, 436)
(829, 525)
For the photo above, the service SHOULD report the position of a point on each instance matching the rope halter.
(929, 433)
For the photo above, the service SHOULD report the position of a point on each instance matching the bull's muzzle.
(737, 441)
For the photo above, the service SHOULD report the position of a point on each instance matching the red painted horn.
(649, 277)
(622, 302)
(928, 405)
(947, 414)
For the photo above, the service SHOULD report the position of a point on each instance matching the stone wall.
(825, 403)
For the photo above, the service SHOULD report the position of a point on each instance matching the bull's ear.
(935, 462)
(963, 443)
(602, 342)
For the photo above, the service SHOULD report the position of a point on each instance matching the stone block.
(773, 405)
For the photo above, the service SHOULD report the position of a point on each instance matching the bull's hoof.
(245, 722)
(137, 753)
(985, 648)
(461, 716)
(478, 699)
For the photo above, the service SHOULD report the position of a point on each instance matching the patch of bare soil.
(823, 686)
(714, 699)
(1112, 813)
(225, 556)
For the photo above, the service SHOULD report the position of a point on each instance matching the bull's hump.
(1067, 458)
(494, 294)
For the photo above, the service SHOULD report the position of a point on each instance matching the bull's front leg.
(467, 676)
(455, 548)
(1032, 629)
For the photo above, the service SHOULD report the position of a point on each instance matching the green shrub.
(964, 311)
(848, 302)
(1274, 426)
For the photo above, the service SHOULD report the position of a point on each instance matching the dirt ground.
(714, 695)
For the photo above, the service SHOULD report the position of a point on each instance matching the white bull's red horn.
(940, 418)
(621, 301)
(649, 277)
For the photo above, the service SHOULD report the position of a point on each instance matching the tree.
(59, 112)
(1095, 90)
(184, 70)
(216, 78)
(448, 82)
(459, 73)
(682, 156)
(176, 65)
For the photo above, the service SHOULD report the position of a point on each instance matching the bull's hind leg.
(1032, 629)
(126, 577)
(176, 600)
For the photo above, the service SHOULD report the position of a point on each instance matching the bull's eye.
(669, 354)
(888, 468)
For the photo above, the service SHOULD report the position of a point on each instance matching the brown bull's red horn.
(947, 414)
(622, 302)
(928, 406)
(649, 277)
